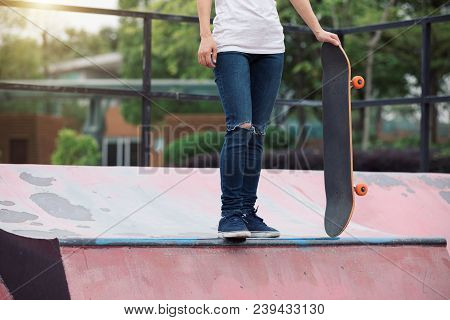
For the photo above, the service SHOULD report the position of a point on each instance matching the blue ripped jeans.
(248, 86)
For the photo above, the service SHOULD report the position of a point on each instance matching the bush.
(177, 152)
(403, 143)
(277, 138)
(375, 161)
(210, 142)
(75, 149)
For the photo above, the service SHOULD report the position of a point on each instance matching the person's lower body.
(248, 86)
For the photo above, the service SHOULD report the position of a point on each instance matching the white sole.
(265, 234)
(235, 234)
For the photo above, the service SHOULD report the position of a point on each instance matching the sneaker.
(257, 227)
(232, 226)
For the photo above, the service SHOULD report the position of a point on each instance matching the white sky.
(109, 4)
(55, 21)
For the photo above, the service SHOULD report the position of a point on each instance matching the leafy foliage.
(197, 143)
(208, 142)
(174, 49)
(15, 59)
(78, 43)
(75, 149)
(174, 53)
(277, 138)
(396, 58)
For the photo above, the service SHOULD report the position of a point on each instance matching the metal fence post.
(144, 160)
(425, 106)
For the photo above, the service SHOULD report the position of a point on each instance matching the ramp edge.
(212, 242)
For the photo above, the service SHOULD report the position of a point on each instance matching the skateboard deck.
(337, 138)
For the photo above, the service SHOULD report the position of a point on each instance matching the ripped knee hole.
(246, 125)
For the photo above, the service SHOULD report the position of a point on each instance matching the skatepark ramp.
(150, 233)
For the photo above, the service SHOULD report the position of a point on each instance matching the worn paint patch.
(445, 195)
(10, 216)
(7, 203)
(105, 209)
(53, 233)
(60, 233)
(37, 181)
(83, 227)
(437, 182)
(384, 180)
(194, 235)
(36, 224)
(60, 207)
(34, 234)
(131, 234)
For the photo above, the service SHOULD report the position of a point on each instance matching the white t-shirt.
(250, 26)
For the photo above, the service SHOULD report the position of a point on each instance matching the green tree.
(25, 57)
(197, 143)
(77, 43)
(19, 58)
(75, 149)
(388, 57)
(174, 54)
(407, 50)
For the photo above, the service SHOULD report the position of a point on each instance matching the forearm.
(304, 9)
(204, 16)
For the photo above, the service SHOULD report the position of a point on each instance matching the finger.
(202, 60)
(208, 60)
(214, 55)
(211, 60)
(205, 59)
(336, 41)
(333, 41)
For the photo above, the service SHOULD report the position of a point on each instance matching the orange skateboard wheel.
(358, 82)
(361, 189)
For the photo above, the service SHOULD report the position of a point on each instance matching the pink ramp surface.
(356, 272)
(125, 202)
(152, 234)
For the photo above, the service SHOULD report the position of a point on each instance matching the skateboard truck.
(358, 82)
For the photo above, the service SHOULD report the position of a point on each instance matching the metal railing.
(146, 94)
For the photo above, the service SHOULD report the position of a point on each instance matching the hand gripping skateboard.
(337, 138)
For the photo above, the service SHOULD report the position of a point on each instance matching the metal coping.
(281, 242)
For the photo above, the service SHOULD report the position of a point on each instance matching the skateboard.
(337, 138)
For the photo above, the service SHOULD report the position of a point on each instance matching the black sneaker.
(257, 227)
(232, 226)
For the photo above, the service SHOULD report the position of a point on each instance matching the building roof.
(191, 86)
(110, 61)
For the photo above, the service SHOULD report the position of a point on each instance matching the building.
(29, 138)
(118, 140)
